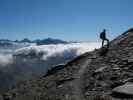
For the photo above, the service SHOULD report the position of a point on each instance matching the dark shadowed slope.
(88, 77)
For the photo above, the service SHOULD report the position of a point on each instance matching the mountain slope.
(88, 77)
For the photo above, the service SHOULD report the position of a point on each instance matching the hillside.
(90, 76)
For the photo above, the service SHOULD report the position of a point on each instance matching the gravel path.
(78, 95)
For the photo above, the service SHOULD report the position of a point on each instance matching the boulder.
(125, 90)
(101, 69)
(103, 51)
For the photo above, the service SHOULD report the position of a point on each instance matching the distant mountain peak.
(50, 41)
(11, 43)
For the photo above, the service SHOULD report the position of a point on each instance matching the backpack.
(102, 35)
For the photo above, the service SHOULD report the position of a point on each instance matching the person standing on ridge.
(104, 38)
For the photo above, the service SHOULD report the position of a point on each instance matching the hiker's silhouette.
(104, 38)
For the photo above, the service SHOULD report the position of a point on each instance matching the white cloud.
(50, 51)
(59, 50)
(5, 59)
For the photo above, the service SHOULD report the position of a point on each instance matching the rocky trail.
(77, 83)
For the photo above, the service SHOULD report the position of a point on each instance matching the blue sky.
(64, 19)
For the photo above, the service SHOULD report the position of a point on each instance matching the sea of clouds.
(49, 51)
(30, 62)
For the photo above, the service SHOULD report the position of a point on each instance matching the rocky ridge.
(91, 76)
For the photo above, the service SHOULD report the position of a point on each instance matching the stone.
(114, 60)
(116, 68)
(100, 69)
(126, 89)
(130, 60)
(103, 51)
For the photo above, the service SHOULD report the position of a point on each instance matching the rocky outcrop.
(91, 76)
(125, 90)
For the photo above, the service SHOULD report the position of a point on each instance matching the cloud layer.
(58, 50)
(34, 61)
(5, 59)
(45, 52)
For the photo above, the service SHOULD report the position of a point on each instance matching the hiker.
(104, 38)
